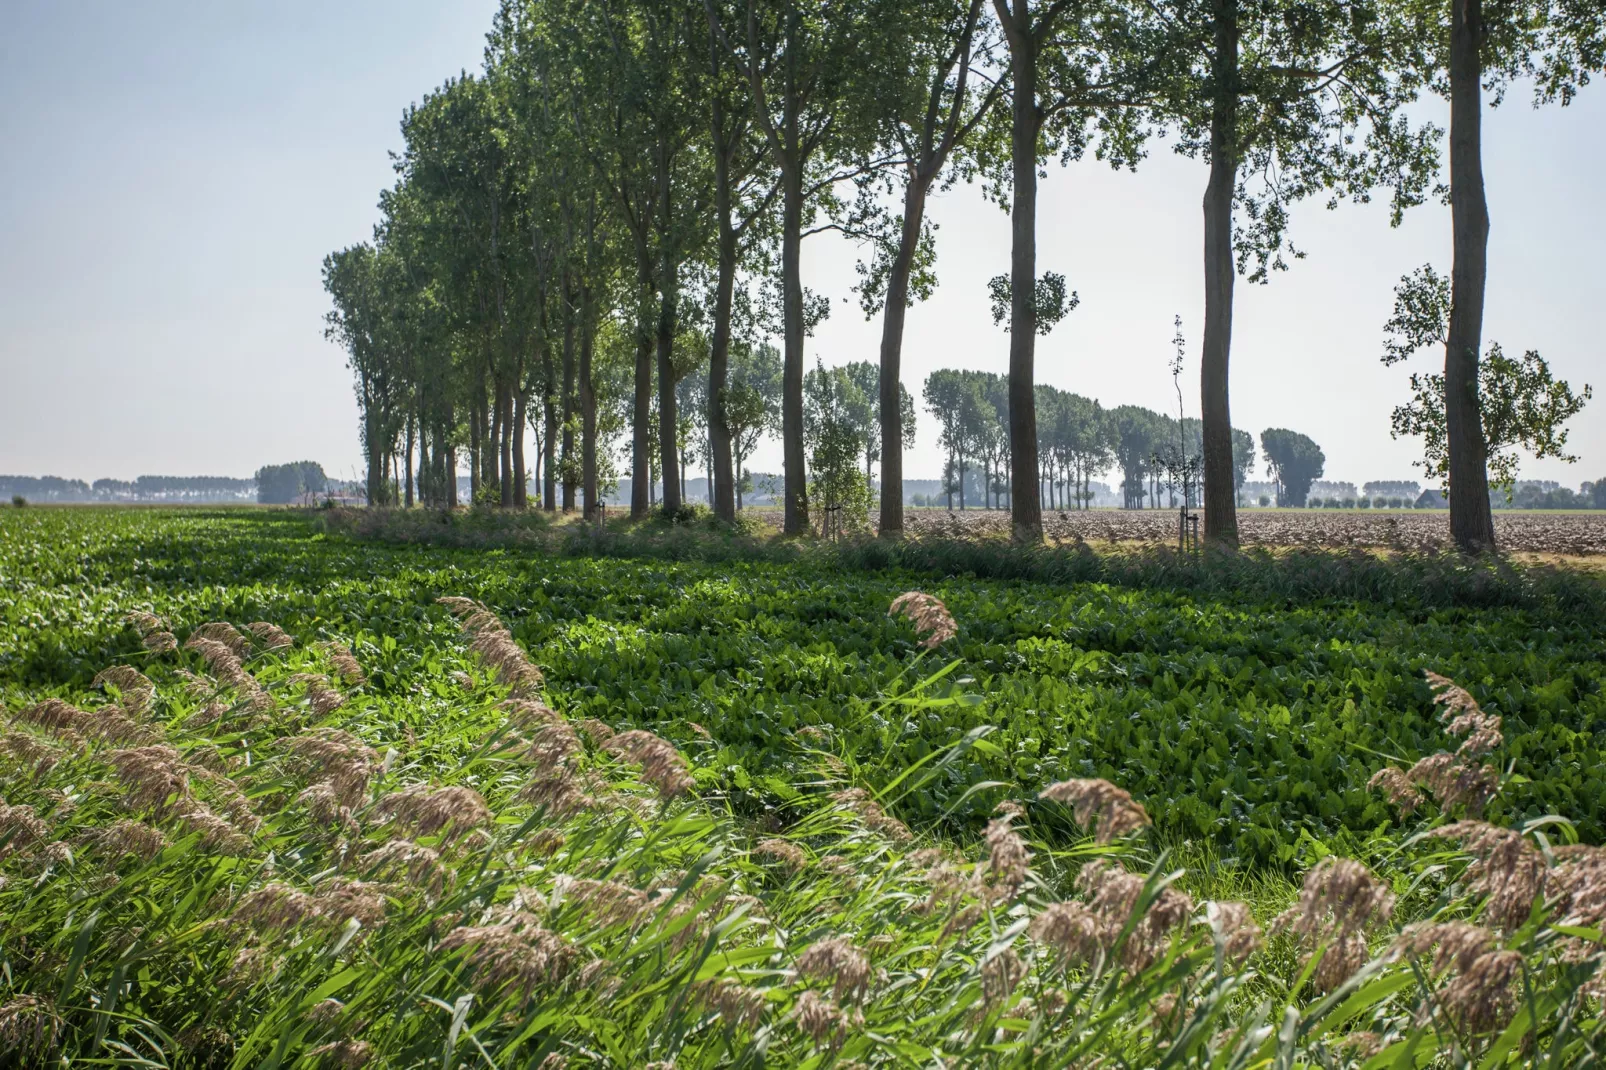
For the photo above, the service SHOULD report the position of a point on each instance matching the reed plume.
(931, 619)
(1099, 805)
(450, 812)
(271, 636)
(661, 764)
(1340, 903)
(491, 640)
(346, 665)
(133, 687)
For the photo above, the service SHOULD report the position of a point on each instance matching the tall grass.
(236, 855)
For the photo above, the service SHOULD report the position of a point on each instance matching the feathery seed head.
(820, 1020)
(1235, 928)
(739, 1005)
(56, 716)
(1000, 975)
(125, 836)
(133, 686)
(1008, 857)
(518, 953)
(419, 865)
(346, 665)
(347, 1054)
(1507, 871)
(1340, 902)
(271, 636)
(452, 812)
(838, 961)
(1099, 805)
(30, 1028)
(661, 764)
(789, 854)
(1397, 788)
(931, 619)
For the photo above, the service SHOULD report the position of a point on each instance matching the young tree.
(866, 376)
(836, 418)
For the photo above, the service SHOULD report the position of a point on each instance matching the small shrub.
(1265, 500)
(18, 501)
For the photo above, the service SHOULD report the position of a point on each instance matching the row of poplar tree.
(623, 191)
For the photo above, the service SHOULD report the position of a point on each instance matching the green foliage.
(305, 855)
(1520, 403)
(1239, 698)
(1049, 298)
(1294, 460)
(281, 484)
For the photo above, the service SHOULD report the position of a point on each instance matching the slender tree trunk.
(409, 465)
(795, 467)
(1026, 513)
(641, 422)
(549, 456)
(451, 477)
(588, 408)
(568, 399)
(508, 433)
(474, 438)
(719, 434)
(668, 424)
(1471, 520)
(1220, 511)
(521, 482)
(892, 321)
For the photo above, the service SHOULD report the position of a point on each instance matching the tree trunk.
(892, 320)
(521, 482)
(568, 400)
(451, 477)
(641, 421)
(474, 439)
(409, 463)
(794, 466)
(1471, 520)
(1220, 511)
(549, 456)
(588, 408)
(1026, 512)
(719, 434)
(505, 447)
(668, 429)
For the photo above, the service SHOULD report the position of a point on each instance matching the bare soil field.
(1569, 534)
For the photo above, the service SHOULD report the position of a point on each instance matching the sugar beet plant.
(262, 865)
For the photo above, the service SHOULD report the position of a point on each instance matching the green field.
(1241, 716)
(274, 857)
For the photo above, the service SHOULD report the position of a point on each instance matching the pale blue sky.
(173, 173)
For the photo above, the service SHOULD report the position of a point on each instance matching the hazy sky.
(173, 173)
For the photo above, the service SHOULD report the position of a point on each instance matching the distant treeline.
(278, 484)
(143, 489)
